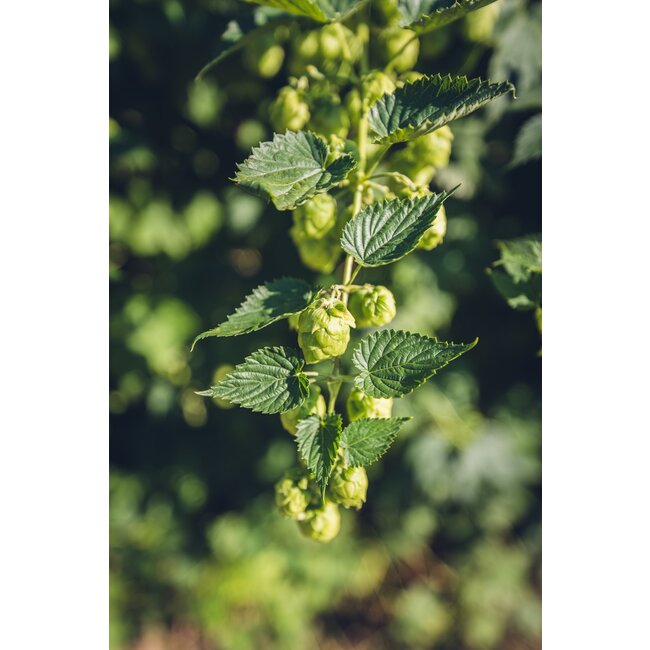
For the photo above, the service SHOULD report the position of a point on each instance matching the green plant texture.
(325, 418)
(357, 112)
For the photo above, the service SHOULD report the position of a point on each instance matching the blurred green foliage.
(446, 553)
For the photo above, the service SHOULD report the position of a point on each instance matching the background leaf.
(427, 104)
(528, 145)
(365, 441)
(308, 8)
(292, 168)
(387, 231)
(393, 363)
(521, 257)
(268, 303)
(424, 16)
(269, 381)
(318, 442)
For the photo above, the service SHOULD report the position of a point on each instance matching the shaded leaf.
(292, 168)
(268, 381)
(425, 105)
(521, 257)
(318, 442)
(424, 16)
(365, 441)
(267, 304)
(528, 145)
(387, 231)
(393, 363)
(308, 8)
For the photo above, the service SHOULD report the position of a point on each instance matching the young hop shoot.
(359, 137)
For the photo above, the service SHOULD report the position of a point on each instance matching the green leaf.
(321, 11)
(528, 145)
(267, 304)
(393, 363)
(387, 231)
(424, 16)
(292, 168)
(318, 442)
(523, 295)
(269, 381)
(425, 105)
(521, 257)
(366, 440)
(308, 8)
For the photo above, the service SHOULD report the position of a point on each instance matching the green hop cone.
(372, 306)
(324, 329)
(338, 42)
(479, 25)
(359, 406)
(288, 112)
(376, 84)
(398, 47)
(434, 148)
(264, 57)
(314, 219)
(293, 494)
(421, 157)
(318, 254)
(434, 235)
(353, 105)
(313, 405)
(322, 524)
(329, 117)
(348, 486)
(293, 321)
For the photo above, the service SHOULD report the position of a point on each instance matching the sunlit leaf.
(393, 363)
(427, 104)
(268, 381)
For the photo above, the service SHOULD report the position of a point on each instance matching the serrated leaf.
(307, 8)
(387, 231)
(528, 145)
(392, 363)
(424, 16)
(267, 304)
(365, 441)
(268, 381)
(318, 441)
(425, 105)
(292, 168)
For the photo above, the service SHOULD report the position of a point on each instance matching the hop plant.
(324, 329)
(331, 163)
(318, 254)
(376, 84)
(293, 495)
(322, 524)
(313, 405)
(359, 406)
(434, 235)
(264, 57)
(348, 486)
(398, 48)
(314, 219)
(372, 306)
(289, 111)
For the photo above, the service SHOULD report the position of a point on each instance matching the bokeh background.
(446, 553)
